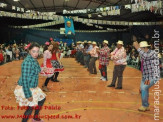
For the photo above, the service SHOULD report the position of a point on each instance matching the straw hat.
(144, 44)
(94, 42)
(89, 42)
(120, 42)
(159, 55)
(85, 41)
(14, 45)
(78, 42)
(105, 41)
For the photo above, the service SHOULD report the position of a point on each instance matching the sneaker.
(143, 109)
(101, 77)
(104, 79)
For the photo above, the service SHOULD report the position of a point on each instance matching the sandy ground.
(80, 97)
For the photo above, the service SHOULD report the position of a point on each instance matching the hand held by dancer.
(147, 82)
(136, 44)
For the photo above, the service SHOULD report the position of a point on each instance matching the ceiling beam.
(43, 4)
(77, 4)
(88, 4)
(101, 4)
(32, 4)
(21, 4)
(54, 5)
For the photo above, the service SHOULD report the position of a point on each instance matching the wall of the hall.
(27, 35)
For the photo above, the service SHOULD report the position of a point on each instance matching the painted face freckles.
(34, 52)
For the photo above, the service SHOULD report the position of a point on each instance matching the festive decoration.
(69, 26)
(51, 39)
(47, 43)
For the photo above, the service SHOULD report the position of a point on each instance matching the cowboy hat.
(120, 42)
(79, 42)
(105, 41)
(85, 41)
(144, 44)
(94, 42)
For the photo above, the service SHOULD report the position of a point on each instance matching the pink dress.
(47, 64)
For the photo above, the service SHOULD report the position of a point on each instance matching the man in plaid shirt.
(29, 75)
(104, 60)
(150, 71)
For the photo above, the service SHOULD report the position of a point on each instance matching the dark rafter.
(43, 4)
(54, 5)
(32, 4)
(88, 4)
(6, 2)
(21, 4)
(77, 4)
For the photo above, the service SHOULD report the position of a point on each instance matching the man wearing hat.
(88, 56)
(150, 71)
(104, 60)
(81, 58)
(119, 58)
(94, 56)
(78, 50)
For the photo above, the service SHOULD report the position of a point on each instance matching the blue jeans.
(145, 91)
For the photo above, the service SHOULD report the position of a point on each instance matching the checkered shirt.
(30, 69)
(151, 68)
(104, 56)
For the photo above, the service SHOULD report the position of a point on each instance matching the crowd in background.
(133, 58)
(12, 52)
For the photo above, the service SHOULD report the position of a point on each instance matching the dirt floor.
(81, 97)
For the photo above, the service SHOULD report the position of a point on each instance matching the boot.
(44, 88)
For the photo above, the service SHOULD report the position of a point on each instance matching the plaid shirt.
(150, 61)
(104, 56)
(30, 69)
(119, 56)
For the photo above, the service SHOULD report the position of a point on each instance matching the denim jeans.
(145, 91)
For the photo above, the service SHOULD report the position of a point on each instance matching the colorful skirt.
(37, 95)
(49, 69)
(57, 67)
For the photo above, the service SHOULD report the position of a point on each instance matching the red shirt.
(54, 57)
(1, 57)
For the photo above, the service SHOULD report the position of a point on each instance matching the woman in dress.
(27, 92)
(46, 68)
(56, 62)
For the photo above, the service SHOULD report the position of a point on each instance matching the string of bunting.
(40, 25)
(140, 5)
(81, 31)
(105, 22)
(60, 19)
